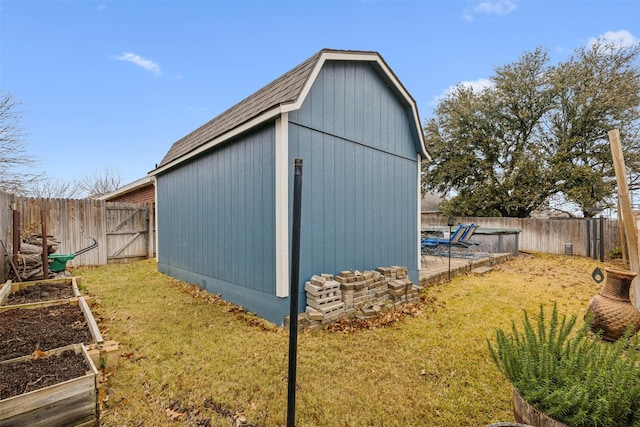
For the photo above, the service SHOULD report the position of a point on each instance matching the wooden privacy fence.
(543, 235)
(5, 228)
(124, 231)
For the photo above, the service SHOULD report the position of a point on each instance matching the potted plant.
(565, 375)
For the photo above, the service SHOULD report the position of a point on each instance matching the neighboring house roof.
(133, 186)
(286, 93)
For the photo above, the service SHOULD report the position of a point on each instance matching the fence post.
(16, 234)
(588, 237)
(45, 249)
(594, 238)
(601, 239)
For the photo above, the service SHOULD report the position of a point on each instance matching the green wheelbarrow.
(58, 262)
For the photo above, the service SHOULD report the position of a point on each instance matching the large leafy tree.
(596, 90)
(538, 131)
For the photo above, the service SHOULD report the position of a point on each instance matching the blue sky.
(112, 84)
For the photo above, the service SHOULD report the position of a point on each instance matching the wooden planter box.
(527, 414)
(80, 301)
(69, 403)
(10, 287)
(103, 353)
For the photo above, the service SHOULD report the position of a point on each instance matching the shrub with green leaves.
(570, 374)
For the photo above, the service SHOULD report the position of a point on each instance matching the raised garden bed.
(42, 292)
(54, 388)
(30, 295)
(23, 330)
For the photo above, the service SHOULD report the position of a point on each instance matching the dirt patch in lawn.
(40, 292)
(29, 375)
(23, 331)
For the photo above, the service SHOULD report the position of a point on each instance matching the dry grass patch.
(189, 358)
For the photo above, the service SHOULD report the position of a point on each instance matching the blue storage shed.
(224, 192)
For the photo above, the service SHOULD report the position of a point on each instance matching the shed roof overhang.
(276, 111)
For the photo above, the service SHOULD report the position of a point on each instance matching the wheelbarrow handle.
(88, 248)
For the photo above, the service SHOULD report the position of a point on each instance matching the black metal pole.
(293, 293)
(601, 239)
(450, 224)
(45, 246)
(449, 253)
(588, 222)
(16, 236)
(594, 238)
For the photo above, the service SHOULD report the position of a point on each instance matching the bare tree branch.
(100, 183)
(14, 159)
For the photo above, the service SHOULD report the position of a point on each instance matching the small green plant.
(615, 253)
(571, 375)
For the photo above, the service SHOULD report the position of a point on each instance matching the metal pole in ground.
(450, 224)
(594, 238)
(45, 245)
(16, 235)
(601, 238)
(293, 293)
(588, 222)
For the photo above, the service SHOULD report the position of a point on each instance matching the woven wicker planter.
(612, 310)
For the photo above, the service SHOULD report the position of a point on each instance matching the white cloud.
(619, 39)
(476, 85)
(147, 64)
(499, 7)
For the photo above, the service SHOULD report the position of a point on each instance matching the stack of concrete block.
(354, 292)
(401, 288)
(324, 300)
(360, 289)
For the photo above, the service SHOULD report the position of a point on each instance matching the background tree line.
(536, 137)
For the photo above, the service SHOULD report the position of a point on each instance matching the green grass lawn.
(188, 358)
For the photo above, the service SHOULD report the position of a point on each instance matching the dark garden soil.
(40, 292)
(22, 331)
(17, 378)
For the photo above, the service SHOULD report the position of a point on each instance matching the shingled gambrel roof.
(285, 93)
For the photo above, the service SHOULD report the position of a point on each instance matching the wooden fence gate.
(124, 231)
(128, 232)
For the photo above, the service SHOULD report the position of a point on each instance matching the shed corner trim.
(282, 205)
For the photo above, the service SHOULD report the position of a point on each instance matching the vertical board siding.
(351, 221)
(350, 100)
(359, 175)
(215, 215)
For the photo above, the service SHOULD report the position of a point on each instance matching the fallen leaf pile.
(177, 412)
(241, 313)
(383, 319)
